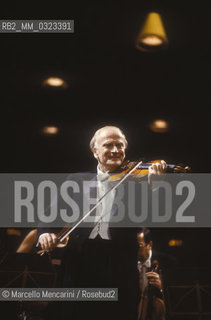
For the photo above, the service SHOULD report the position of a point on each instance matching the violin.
(151, 304)
(143, 169)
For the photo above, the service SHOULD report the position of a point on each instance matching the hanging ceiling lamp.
(152, 35)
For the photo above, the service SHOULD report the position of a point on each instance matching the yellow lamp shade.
(152, 35)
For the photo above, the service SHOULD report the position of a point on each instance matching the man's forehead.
(140, 236)
(110, 134)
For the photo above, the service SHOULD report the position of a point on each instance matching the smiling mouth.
(114, 158)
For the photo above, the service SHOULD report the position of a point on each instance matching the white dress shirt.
(103, 211)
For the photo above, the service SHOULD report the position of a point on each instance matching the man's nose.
(114, 148)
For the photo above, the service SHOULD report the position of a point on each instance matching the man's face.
(109, 149)
(144, 248)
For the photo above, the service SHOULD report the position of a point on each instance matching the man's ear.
(150, 244)
(95, 153)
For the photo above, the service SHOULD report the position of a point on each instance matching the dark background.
(109, 82)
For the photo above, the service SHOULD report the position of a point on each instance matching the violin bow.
(69, 230)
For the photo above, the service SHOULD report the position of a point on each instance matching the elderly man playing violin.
(103, 257)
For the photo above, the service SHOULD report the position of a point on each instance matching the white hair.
(97, 133)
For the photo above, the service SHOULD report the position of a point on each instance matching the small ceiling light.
(55, 82)
(159, 125)
(14, 232)
(175, 243)
(50, 130)
(152, 35)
